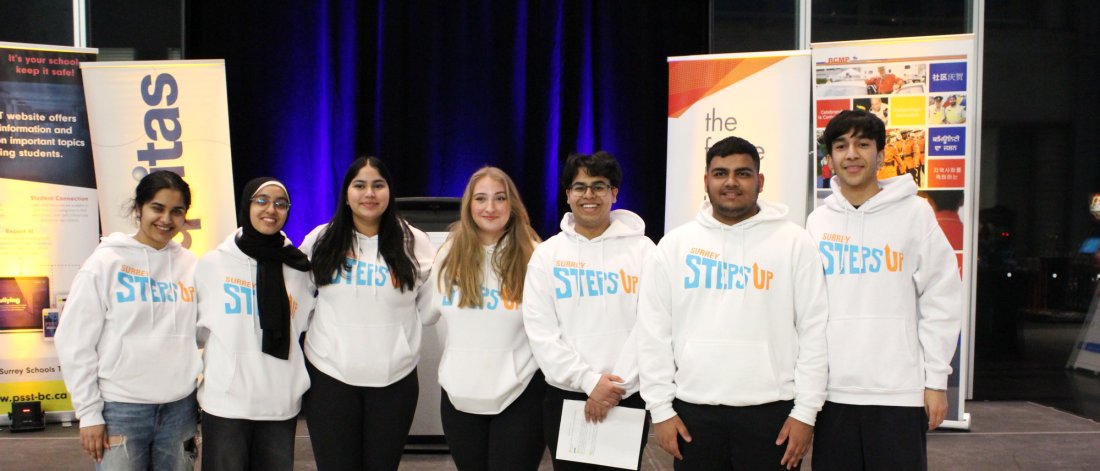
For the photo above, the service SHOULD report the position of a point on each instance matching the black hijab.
(271, 252)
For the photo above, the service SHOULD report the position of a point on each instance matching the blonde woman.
(491, 404)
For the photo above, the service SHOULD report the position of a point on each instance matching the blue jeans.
(150, 436)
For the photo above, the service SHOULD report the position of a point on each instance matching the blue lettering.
(692, 262)
(566, 289)
(234, 307)
(876, 260)
(613, 278)
(825, 247)
(853, 259)
(124, 280)
(710, 265)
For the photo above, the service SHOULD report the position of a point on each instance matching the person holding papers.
(580, 300)
(491, 406)
(732, 320)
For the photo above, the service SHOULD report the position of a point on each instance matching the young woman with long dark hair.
(371, 270)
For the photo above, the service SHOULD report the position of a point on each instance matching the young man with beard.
(580, 300)
(895, 303)
(732, 321)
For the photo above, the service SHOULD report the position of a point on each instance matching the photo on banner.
(919, 88)
(48, 213)
(760, 97)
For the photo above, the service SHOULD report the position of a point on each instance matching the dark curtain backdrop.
(438, 89)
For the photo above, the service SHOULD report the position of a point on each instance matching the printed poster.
(48, 213)
(923, 91)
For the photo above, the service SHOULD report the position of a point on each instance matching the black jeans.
(357, 428)
(510, 440)
(238, 444)
(551, 417)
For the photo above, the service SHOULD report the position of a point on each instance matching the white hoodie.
(734, 315)
(580, 303)
(128, 330)
(239, 380)
(895, 297)
(487, 360)
(365, 331)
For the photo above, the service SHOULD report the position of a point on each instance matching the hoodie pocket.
(264, 385)
(156, 368)
(370, 354)
(476, 380)
(730, 372)
(873, 354)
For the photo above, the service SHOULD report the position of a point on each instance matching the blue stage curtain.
(438, 89)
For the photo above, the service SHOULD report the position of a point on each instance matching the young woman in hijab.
(492, 389)
(371, 270)
(126, 342)
(254, 301)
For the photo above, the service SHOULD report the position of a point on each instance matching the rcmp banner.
(924, 90)
(760, 97)
(163, 115)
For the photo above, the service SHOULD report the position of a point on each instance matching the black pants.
(237, 444)
(727, 437)
(510, 440)
(357, 428)
(849, 437)
(551, 422)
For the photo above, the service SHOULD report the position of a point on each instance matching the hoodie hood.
(894, 189)
(623, 224)
(120, 240)
(769, 212)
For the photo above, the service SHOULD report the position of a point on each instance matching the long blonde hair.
(463, 263)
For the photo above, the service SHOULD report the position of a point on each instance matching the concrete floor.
(1004, 436)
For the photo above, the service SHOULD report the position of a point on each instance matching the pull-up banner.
(163, 115)
(923, 89)
(760, 97)
(48, 220)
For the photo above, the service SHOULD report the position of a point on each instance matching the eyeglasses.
(280, 205)
(598, 189)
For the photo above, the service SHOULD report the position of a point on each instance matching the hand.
(607, 393)
(94, 441)
(667, 432)
(595, 411)
(935, 405)
(797, 435)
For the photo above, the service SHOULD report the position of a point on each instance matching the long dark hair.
(395, 239)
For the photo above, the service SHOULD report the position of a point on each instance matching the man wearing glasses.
(580, 300)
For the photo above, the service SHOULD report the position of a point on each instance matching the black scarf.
(270, 253)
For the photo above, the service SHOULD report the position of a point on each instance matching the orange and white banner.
(162, 115)
(760, 97)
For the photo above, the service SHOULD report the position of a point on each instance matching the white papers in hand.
(613, 442)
